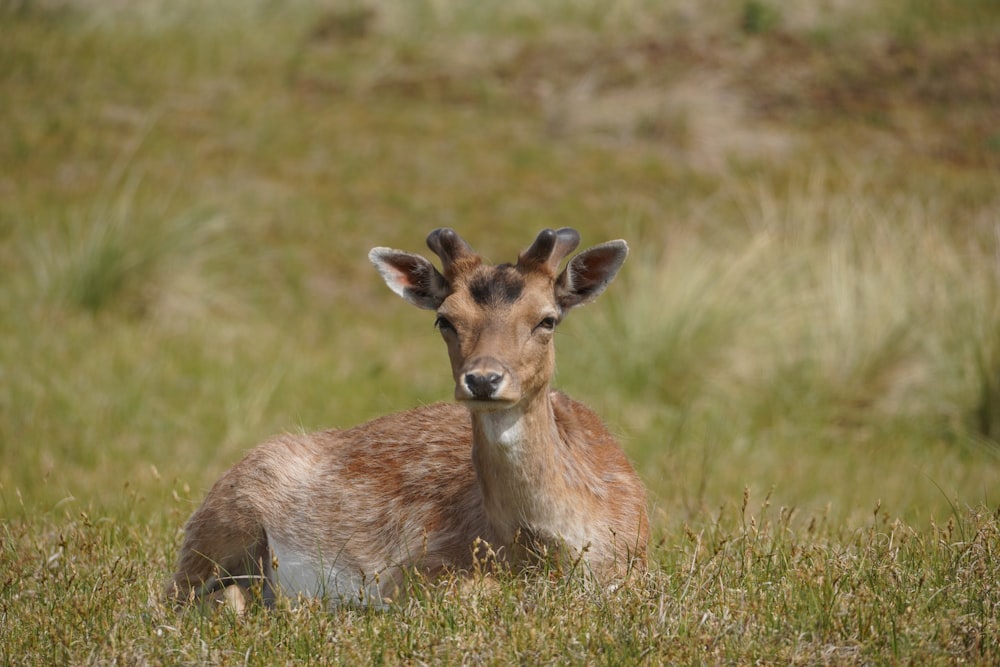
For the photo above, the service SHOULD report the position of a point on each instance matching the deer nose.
(483, 385)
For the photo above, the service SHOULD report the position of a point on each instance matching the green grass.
(752, 582)
(801, 356)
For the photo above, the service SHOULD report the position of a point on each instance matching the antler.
(451, 248)
(549, 249)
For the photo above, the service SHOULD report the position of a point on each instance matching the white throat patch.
(504, 427)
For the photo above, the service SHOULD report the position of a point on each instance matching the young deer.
(346, 514)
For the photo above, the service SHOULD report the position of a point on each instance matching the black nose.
(483, 385)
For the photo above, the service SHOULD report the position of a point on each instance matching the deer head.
(498, 320)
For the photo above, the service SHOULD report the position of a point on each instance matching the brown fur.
(527, 471)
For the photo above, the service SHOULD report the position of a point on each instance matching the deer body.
(512, 464)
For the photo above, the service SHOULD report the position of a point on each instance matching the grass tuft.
(987, 407)
(114, 260)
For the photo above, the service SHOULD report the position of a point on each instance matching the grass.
(801, 355)
(747, 584)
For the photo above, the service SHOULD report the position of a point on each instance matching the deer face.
(499, 320)
(499, 325)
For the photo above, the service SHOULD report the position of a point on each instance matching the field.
(801, 356)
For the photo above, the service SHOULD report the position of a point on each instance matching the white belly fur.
(316, 575)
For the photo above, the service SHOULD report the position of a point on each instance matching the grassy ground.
(802, 355)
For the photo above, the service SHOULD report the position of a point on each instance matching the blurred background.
(811, 192)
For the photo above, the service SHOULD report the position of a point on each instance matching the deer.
(512, 470)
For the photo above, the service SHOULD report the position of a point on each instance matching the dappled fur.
(527, 473)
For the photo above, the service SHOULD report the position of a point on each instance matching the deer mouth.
(487, 404)
(486, 394)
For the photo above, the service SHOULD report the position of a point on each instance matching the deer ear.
(411, 277)
(589, 273)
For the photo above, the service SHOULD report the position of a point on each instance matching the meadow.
(801, 355)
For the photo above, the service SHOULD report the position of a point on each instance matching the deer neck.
(517, 456)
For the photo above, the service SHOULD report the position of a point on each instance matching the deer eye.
(547, 324)
(443, 324)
